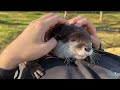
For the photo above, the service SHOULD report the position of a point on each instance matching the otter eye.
(73, 40)
(57, 36)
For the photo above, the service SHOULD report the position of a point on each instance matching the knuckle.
(41, 22)
(85, 19)
(79, 17)
(37, 22)
(52, 13)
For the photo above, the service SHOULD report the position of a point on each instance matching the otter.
(74, 43)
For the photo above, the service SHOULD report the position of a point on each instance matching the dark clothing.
(107, 68)
(7, 74)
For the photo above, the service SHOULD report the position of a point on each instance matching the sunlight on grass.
(114, 50)
(109, 39)
(12, 23)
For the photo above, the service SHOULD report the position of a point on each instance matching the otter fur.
(74, 42)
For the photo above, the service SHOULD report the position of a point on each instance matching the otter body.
(74, 42)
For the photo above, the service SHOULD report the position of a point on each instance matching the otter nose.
(87, 49)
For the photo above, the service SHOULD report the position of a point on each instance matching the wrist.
(9, 60)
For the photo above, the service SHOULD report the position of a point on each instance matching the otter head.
(73, 41)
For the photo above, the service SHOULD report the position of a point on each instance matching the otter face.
(80, 44)
(76, 44)
(80, 50)
(75, 47)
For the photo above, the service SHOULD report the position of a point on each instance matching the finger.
(52, 21)
(74, 20)
(96, 42)
(91, 29)
(47, 16)
(48, 46)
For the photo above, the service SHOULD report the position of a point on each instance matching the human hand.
(30, 44)
(80, 21)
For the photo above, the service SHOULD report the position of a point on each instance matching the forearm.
(9, 59)
(8, 62)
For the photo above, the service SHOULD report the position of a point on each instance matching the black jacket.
(107, 68)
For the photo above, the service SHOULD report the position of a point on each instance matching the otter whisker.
(97, 59)
(96, 54)
(63, 53)
(95, 51)
(93, 58)
(67, 60)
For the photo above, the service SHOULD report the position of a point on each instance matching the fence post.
(101, 16)
(65, 14)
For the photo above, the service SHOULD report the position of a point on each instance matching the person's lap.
(108, 68)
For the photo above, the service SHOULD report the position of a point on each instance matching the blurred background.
(12, 23)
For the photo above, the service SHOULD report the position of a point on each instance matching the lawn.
(110, 41)
(13, 23)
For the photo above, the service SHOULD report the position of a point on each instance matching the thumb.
(49, 45)
(96, 42)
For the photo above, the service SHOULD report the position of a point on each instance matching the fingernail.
(53, 39)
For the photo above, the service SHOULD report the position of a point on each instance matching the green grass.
(6, 37)
(115, 50)
(13, 23)
(109, 39)
(111, 20)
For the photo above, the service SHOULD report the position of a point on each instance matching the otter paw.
(35, 69)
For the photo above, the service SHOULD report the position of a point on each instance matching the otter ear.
(58, 36)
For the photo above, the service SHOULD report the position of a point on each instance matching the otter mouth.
(81, 56)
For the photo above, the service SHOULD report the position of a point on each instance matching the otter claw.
(38, 73)
(35, 69)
